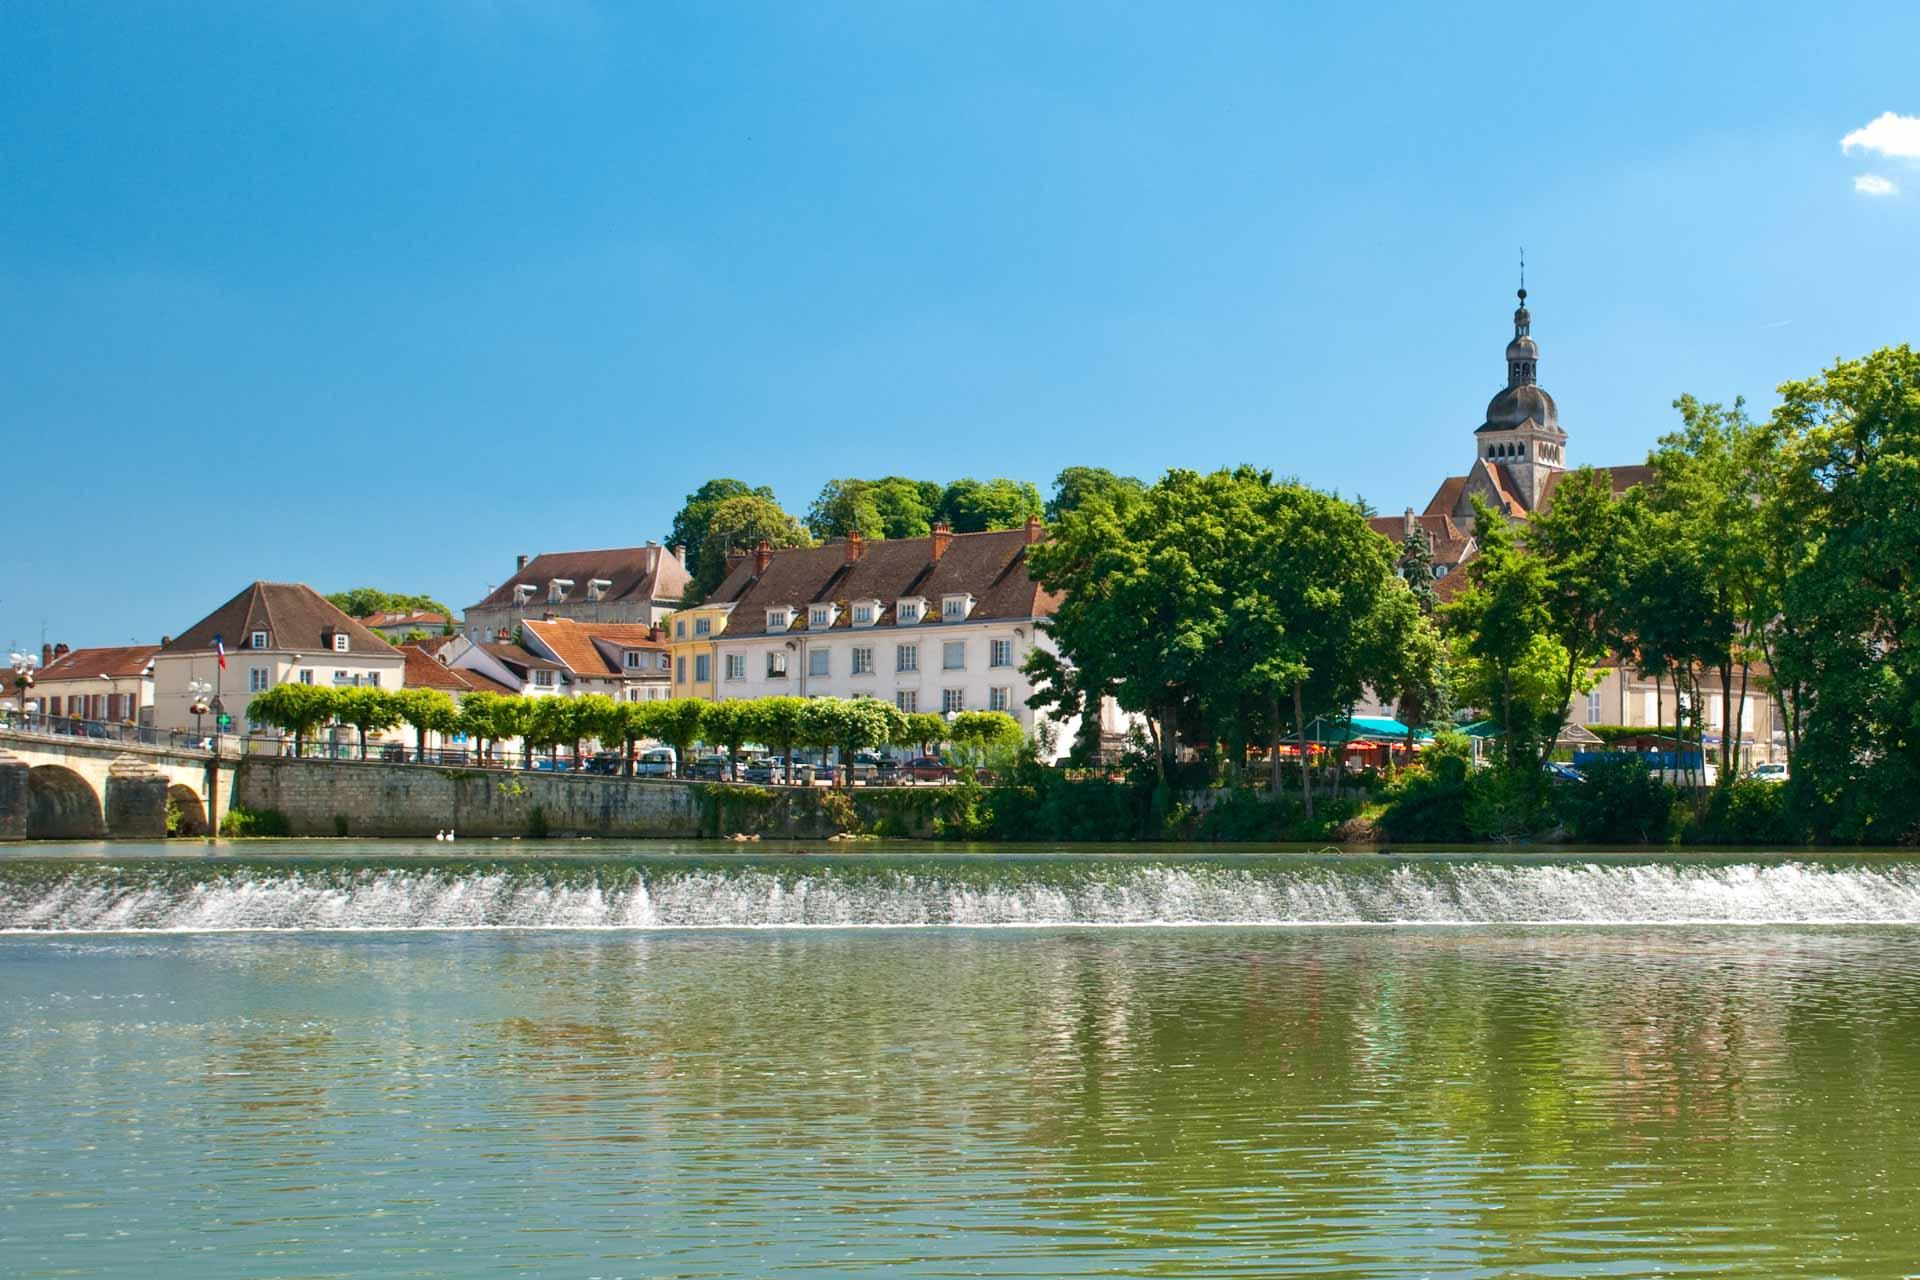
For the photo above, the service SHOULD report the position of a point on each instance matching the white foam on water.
(1096, 895)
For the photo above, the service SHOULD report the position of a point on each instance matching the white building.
(939, 624)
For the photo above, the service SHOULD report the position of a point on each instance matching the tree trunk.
(1274, 780)
(1300, 727)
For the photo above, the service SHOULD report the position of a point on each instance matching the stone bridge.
(54, 787)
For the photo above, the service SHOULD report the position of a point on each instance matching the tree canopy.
(362, 602)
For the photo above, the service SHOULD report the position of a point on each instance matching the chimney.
(856, 543)
(941, 538)
(735, 558)
(549, 616)
(1033, 530)
(762, 556)
(656, 634)
(1408, 524)
(165, 641)
(680, 553)
(46, 656)
(60, 651)
(519, 563)
(502, 636)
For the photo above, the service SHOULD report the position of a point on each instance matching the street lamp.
(198, 691)
(23, 665)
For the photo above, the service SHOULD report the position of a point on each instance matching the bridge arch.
(186, 812)
(62, 805)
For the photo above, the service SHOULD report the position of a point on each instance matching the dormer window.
(339, 642)
(955, 608)
(865, 612)
(703, 626)
(258, 640)
(779, 619)
(597, 589)
(1439, 571)
(631, 659)
(522, 592)
(557, 589)
(910, 609)
(821, 616)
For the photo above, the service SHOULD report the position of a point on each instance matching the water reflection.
(1151, 1102)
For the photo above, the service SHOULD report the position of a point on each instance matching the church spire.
(1522, 355)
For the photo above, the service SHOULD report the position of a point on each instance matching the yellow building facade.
(692, 636)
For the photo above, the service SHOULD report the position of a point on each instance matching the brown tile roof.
(1447, 497)
(1623, 479)
(434, 644)
(481, 682)
(517, 659)
(992, 567)
(635, 573)
(293, 615)
(593, 648)
(424, 671)
(90, 664)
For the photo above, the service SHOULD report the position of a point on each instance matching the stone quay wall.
(375, 799)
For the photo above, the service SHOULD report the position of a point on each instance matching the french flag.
(220, 650)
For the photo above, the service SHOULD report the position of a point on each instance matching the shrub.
(1621, 802)
(1506, 802)
(1428, 804)
(1746, 811)
(243, 823)
(537, 823)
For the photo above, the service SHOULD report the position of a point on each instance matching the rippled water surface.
(1499, 1100)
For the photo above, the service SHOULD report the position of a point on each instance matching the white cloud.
(1872, 184)
(1889, 134)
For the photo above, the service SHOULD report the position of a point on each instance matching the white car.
(1772, 772)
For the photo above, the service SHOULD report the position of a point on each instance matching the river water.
(328, 1060)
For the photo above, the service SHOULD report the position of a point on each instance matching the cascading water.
(177, 897)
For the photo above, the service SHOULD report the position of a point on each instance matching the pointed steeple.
(1523, 357)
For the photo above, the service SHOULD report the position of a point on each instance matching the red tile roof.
(115, 663)
(424, 671)
(991, 567)
(593, 648)
(416, 618)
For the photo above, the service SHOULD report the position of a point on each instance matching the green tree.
(1074, 487)
(891, 507)
(366, 708)
(294, 708)
(972, 506)
(479, 717)
(742, 522)
(550, 722)
(1585, 542)
(595, 716)
(680, 722)
(984, 737)
(729, 724)
(780, 723)
(362, 602)
(1506, 661)
(695, 517)
(924, 730)
(427, 711)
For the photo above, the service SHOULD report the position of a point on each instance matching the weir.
(850, 892)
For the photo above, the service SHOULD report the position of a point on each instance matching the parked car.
(1771, 772)
(1561, 772)
(394, 753)
(657, 762)
(712, 768)
(928, 769)
(550, 764)
(605, 762)
(767, 769)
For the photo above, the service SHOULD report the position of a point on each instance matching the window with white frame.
(1593, 706)
(666, 662)
(863, 615)
(736, 666)
(906, 657)
(820, 617)
(373, 678)
(862, 660)
(259, 640)
(306, 675)
(779, 619)
(953, 655)
(341, 677)
(1650, 706)
(952, 701)
(259, 679)
(1000, 653)
(817, 664)
(632, 660)
(542, 678)
(777, 665)
(339, 642)
(703, 626)
(955, 608)
(999, 698)
(908, 700)
(907, 611)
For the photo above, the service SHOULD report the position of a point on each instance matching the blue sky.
(386, 293)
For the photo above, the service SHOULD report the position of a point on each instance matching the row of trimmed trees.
(782, 724)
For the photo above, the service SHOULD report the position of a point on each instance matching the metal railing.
(110, 731)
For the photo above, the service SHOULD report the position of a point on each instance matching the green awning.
(1360, 729)
(1481, 729)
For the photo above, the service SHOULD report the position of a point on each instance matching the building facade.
(623, 585)
(112, 684)
(272, 633)
(628, 662)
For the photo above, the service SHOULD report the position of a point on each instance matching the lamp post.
(23, 665)
(198, 691)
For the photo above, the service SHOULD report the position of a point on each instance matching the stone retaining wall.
(372, 799)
